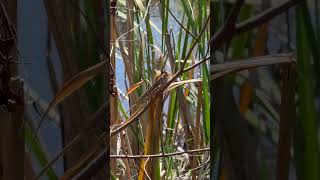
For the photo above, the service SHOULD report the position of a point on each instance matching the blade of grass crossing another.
(312, 40)
(38, 152)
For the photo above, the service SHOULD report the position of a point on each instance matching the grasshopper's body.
(143, 103)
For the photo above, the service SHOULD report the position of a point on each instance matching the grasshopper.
(143, 102)
(160, 85)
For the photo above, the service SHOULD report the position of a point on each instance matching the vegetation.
(153, 52)
(181, 83)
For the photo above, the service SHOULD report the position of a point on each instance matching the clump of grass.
(160, 128)
(178, 119)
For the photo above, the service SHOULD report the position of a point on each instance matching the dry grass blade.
(193, 151)
(287, 116)
(152, 140)
(247, 88)
(245, 97)
(73, 85)
(88, 159)
(265, 16)
(77, 82)
(261, 40)
(220, 70)
(140, 5)
(179, 83)
(132, 118)
(133, 88)
(80, 165)
(253, 62)
(91, 122)
(49, 165)
(197, 131)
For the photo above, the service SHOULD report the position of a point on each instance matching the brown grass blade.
(71, 86)
(91, 122)
(113, 99)
(245, 97)
(151, 145)
(259, 50)
(152, 139)
(83, 162)
(260, 43)
(133, 88)
(253, 62)
(197, 144)
(287, 116)
(220, 70)
(75, 83)
(179, 83)
(29, 172)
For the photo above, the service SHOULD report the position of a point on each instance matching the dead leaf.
(72, 85)
(133, 88)
(253, 62)
(179, 83)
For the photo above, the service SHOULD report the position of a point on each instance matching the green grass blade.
(311, 38)
(306, 144)
(37, 150)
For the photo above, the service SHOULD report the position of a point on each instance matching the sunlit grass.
(181, 117)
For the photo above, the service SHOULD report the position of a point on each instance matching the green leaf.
(37, 150)
(306, 144)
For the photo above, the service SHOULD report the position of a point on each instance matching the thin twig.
(225, 33)
(159, 155)
(181, 25)
(196, 168)
(265, 16)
